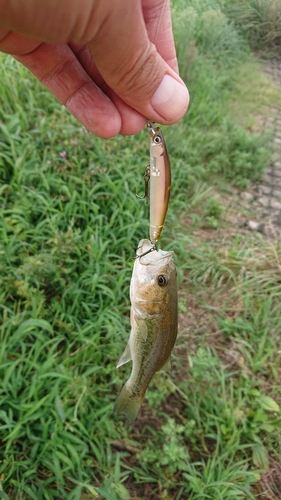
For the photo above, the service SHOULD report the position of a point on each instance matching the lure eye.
(157, 139)
(162, 280)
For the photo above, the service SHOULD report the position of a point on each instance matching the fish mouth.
(152, 256)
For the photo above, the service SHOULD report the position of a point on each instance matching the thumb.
(131, 66)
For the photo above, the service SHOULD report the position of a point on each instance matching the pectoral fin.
(138, 325)
(126, 356)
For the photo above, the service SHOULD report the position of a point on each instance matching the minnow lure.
(158, 173)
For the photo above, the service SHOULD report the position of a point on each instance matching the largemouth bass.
(154, 324)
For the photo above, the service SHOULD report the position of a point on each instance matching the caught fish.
(160, 181)
(154, 324)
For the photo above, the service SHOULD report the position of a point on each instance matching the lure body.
(160, 182)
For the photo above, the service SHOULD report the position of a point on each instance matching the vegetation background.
(70, 223)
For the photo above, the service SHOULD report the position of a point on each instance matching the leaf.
(91, 490)
(260, 457)
(59, 408)
(64, 458)
(30, 493)
(4, 496)
(267, 403)
(32, 324)
(267, 427)
(123, 492)
(276, 423)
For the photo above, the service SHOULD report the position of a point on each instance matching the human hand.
(112, 64)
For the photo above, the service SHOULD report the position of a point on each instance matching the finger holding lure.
(158, 173)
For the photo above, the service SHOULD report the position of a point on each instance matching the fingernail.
(171, 99)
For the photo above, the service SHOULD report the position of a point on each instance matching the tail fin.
(127, 404)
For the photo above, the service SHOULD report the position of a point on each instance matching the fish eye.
(157, 139)
(162, 280)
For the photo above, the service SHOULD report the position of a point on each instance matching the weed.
(259, 20)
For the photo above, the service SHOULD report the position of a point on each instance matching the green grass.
(259, 21)
(70, 223)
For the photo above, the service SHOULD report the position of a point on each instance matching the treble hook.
(145, 253)
(146, 182)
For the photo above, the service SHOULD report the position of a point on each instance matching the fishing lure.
(158, 173)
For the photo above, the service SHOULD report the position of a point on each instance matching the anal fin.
(167, 366)
(126, 356)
